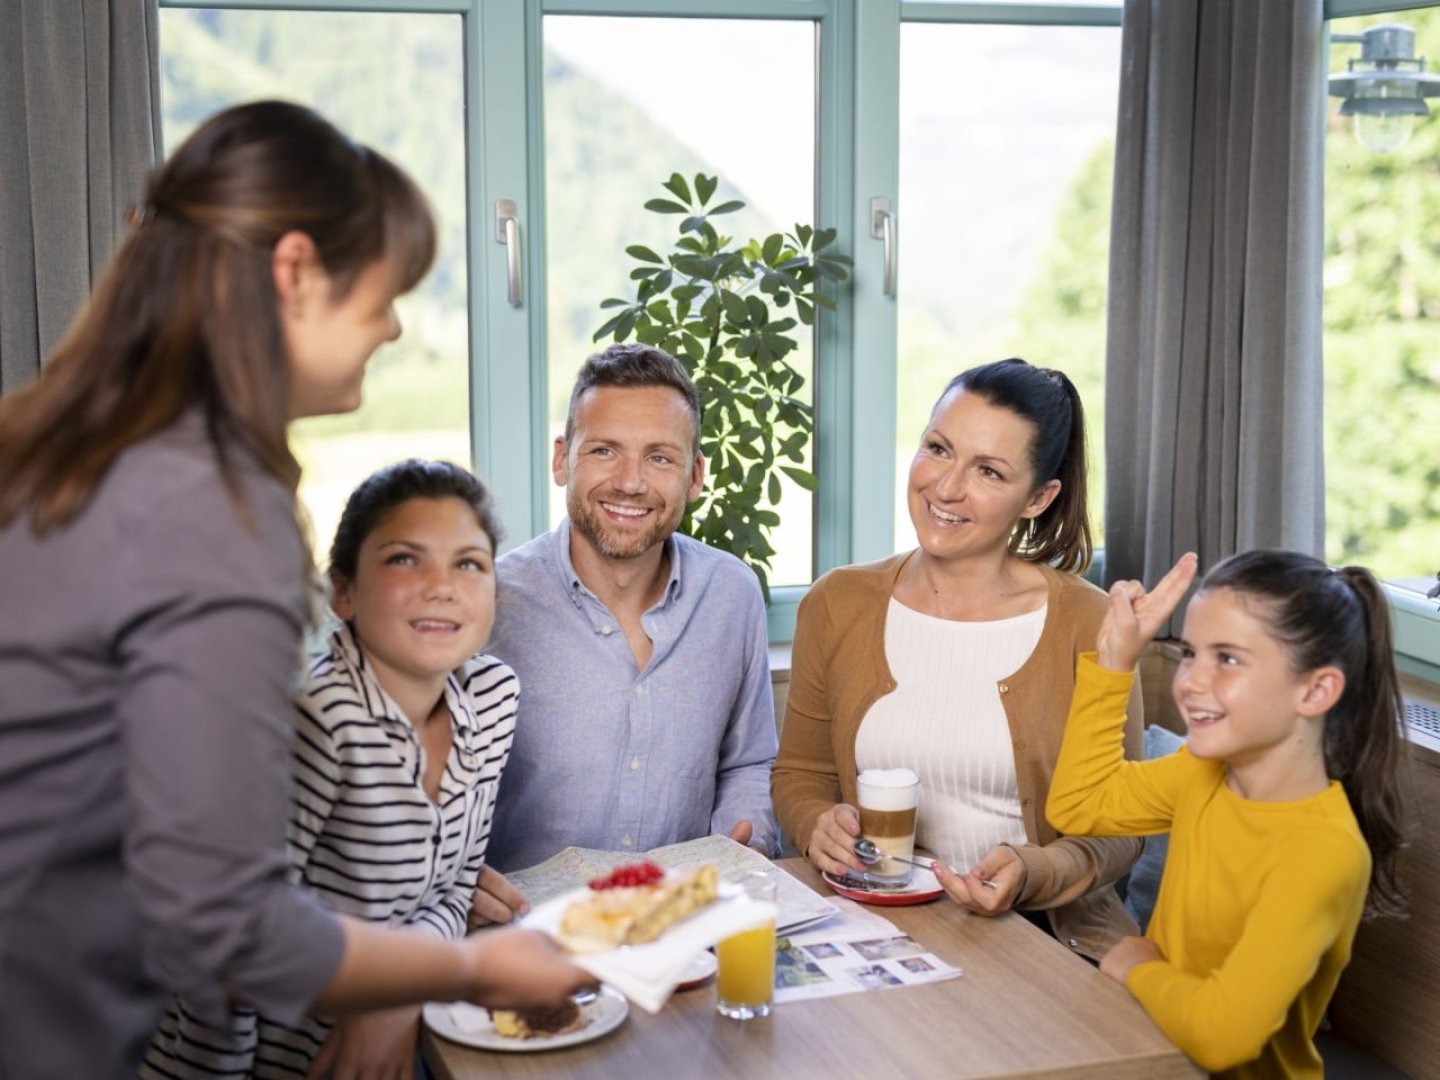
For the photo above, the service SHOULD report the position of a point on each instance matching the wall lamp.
(1385, 89)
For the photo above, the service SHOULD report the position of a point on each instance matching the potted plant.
(730, 313)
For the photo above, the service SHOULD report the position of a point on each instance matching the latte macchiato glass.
(889, 800)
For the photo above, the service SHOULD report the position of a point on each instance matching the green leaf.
(665, 206)
(728, 207)
(759, 313)
(805, 479)
(705, 187)
(803, 234)
(735, 309)
(772, 488)
(692, 223)
(676, 185)
(609, 326)
(613, 302)
(772, 247)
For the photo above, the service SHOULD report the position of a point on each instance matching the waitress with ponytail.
(957, 660)
(152, 597)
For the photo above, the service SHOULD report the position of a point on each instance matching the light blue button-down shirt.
(606, 756)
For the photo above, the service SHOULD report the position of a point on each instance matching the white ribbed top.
(945, 721)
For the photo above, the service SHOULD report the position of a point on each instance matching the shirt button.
(639, 688)
(1073, 943)
(634, 763)
(607, 630)
(1004, 688)
(626, 842)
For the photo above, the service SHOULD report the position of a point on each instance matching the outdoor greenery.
(1382, 338)
(1381, 331)
(1381, 272)
(730, 313)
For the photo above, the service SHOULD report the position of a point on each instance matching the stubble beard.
(585, 520)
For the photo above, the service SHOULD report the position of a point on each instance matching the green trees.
(1381, 280)
(1382, 339)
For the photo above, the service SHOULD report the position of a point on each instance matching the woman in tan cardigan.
(957, 660)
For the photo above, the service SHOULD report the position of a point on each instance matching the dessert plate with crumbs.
(471, 1025)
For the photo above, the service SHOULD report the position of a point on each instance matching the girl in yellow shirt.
(1283, 811)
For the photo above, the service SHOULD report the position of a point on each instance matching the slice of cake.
(624, 914)
(538, 1023)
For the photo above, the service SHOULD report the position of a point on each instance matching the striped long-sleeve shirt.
(365, 837)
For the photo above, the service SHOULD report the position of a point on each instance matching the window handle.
(882, 227)
(507, 232)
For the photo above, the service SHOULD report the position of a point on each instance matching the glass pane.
(395, 82)
(628, 102)
(1382, 336)
(1006, 152)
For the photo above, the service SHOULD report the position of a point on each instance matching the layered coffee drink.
(889, 800)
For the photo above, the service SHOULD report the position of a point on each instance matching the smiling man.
(646, 714)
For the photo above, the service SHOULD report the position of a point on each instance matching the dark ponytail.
(1060, 535)
(1340, 618)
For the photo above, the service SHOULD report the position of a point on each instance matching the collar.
(576, 588)
(380, 705)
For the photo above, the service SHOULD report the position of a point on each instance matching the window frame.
(857, 157)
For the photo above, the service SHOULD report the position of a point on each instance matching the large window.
(1006, 149)
(625, 107)
(396, 82)
(1382, 336)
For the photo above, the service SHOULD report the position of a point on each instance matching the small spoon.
(869, 854)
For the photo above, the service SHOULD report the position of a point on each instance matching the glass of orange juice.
(745, 983)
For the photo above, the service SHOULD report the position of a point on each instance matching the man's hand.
(376, 1045)
(742, 832)
(496, 900)
(1135, 616)
(1128, 953)
(990, 888)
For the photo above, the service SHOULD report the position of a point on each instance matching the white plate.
(470, 1025)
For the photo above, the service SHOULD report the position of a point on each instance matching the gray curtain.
(79, 132)
(1213, 367)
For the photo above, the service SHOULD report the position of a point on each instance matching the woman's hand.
(520, 969)
(990, 887)
(1126, 954)
(496, 900)
(1135, 615)
(832, 841)
(370, 1046)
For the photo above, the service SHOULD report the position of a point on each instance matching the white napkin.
(648, 974)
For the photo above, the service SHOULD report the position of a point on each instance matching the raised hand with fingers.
(1135, 616)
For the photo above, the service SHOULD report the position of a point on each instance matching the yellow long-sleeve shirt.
(1258, 904)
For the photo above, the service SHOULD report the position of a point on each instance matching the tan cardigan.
(838, 670)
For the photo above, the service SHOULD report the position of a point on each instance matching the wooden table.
(1025, 1007)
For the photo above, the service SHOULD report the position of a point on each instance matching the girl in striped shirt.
(402, 734)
